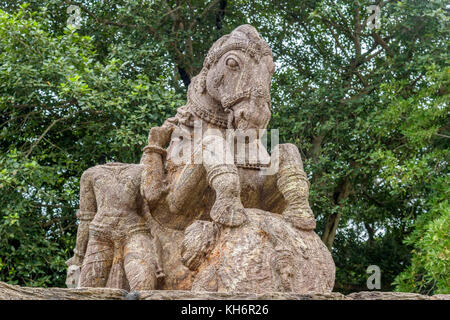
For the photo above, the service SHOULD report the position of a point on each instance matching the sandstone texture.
(207, 208)
(13, 292)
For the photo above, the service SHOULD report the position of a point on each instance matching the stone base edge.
(13, 292)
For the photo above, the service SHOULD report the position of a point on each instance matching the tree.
(337, 95)
(368, 109)
(62, 112)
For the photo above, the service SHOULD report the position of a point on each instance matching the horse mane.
(246, 38)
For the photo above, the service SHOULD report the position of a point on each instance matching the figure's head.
(237, 74)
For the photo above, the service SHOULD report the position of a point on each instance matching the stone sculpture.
(114, 241)
(187, 217)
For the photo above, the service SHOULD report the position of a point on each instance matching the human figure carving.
(113, 223)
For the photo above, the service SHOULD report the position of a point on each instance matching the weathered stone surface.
(190, 218)
(377, 295)
(189, 295)
(440, 297)
(12, 292)
(264, 255)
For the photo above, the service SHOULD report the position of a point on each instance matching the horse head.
(233, 88)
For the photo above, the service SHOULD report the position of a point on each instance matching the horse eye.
(232, 63)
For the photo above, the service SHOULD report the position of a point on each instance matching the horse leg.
(222, 177)
(287, 191)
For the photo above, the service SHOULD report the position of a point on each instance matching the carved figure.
(196, 207)
(114, 244)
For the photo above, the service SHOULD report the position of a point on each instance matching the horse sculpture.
(210, 224)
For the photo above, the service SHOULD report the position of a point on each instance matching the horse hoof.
(300, 218)
(228, 212)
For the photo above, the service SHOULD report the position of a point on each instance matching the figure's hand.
(160, 136)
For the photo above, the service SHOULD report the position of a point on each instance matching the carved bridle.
(254, 50)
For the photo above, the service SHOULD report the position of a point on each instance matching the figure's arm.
(152, 186)
(88, 208)
(158, 139)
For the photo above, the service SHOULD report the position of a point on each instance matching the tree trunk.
(370, 232)
(316, 148)
(333, 220)
(220, 14)
(184, 76)
(330, 229)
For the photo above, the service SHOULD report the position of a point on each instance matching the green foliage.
(30, 240)
(368, 110)
(430, 265)
(62, 111)
(384, 249)
(418, 165)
